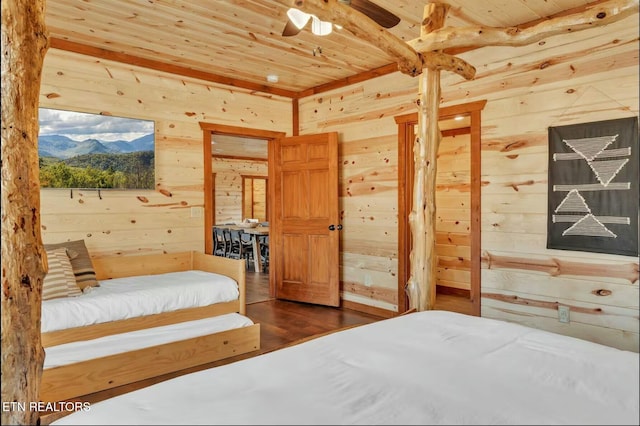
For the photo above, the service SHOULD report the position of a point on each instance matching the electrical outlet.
(196, 211)
(367, 280)
(563, 313)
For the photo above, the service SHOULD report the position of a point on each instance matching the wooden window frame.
(266, 194)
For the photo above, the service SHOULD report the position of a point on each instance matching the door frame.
(208, 130)
(266, 193)
(406, 124)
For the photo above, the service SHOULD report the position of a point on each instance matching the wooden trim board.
(66, 382)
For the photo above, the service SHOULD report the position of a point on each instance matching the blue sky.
(80, 126)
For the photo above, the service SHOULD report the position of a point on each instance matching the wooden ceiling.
(226, 146)
(239, 42)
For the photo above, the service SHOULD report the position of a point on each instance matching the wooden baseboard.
(360, 307)
(453, 291)
(384, 313)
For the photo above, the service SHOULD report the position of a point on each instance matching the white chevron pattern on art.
(589, 226)
(606, 170)
(573, 203)
(590, 148)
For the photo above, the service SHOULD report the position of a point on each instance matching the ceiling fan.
(298, 19)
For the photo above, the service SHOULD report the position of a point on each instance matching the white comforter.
(425, 368)
(130, 297)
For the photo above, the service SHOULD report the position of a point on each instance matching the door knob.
(332, 227)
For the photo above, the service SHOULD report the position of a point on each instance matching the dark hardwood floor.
(257, 286)
(282, 323)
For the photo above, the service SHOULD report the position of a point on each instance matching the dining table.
(255, 232)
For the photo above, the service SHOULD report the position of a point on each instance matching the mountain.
(63, 147)
(144, 143)
(89, 146)
(55, 145)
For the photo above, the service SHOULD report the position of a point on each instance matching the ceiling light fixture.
(300, 19)
(319, 27)
(272, 78)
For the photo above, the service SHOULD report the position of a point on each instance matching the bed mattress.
(430, 367)
(142, 295)
(70, 353)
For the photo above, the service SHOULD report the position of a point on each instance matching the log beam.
(409, 61)
(24, 44)
(478, 36)
(421, 286)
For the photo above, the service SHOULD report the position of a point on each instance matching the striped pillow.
(59, 281)
(80, 262)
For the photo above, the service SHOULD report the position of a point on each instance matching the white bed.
(85, 350)
(431, 367)
(151, 315)
(128, 297)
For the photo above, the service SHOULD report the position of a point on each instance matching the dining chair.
(264, 252)
(247, 247)
(219, 242)
(234, 251)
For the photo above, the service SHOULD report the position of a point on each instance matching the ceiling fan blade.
(382, 16)
(290, 29)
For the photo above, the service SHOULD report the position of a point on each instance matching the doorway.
(238, 143)
(458, 238)
(255, 198)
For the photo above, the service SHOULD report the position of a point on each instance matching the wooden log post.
(421, 287)
(24, 44)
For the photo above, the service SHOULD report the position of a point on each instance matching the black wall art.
(593, 187)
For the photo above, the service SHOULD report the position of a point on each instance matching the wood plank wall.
(255, 203)
(130, 222)
(228, 186)
(453, 212)
(581, 77)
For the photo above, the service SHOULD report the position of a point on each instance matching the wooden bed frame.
(82, 378)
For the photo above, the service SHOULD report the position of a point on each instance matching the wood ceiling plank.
(142, 61)
(226, 29)
(164, 67)
(240, 40)
(239, 146)
(146, 45)
(410, 14)
(129, 20)
(505, 13)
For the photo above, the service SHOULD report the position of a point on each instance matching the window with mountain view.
(81, 150)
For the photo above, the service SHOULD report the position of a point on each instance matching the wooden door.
(304, 221)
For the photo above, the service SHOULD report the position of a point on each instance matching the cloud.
(81, 126)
